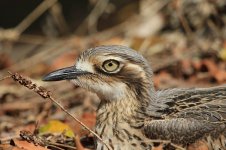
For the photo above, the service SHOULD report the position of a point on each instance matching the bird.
(132, 114)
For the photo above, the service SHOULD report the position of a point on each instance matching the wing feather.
(181, 101)
(186, 115)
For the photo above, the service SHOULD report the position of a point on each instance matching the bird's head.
(112, 72)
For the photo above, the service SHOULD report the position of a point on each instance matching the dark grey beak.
(64, 74)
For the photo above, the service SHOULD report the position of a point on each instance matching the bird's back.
(186, 116)
(177, 101)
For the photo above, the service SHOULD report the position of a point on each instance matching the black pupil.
(110, 64)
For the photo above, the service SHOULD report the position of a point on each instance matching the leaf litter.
(186, 49)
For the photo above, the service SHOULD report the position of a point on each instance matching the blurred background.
(184, 41)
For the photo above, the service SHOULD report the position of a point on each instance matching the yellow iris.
(111, 65)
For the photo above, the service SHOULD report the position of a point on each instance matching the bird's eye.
(110, 65)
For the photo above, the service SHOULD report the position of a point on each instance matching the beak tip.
(47, 78)
(53, 76)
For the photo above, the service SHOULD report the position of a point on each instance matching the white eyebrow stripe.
(85, 66)
(136, 67)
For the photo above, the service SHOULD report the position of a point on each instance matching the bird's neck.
(121, 120)
(119, 110)
(130, 106)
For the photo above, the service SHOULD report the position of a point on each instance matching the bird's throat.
(118, 122)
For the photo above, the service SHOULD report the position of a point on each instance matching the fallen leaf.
(56, 126)
(89, 119)
(217, 73)
(220, 76)
(28, 146)
(5, 61)
(198, 146)
(160, 147)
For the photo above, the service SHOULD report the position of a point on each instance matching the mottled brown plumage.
(132, 114)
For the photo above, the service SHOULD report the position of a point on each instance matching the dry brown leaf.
(28, 146)
(220, 76)
(210, 65)
(160, 78)
(160, 147)
(89, 119)
(216, 72)
(197, 65)
(5, 61)
(6, 147)
(198, 146)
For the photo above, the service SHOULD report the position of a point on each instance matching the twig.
(45, 111)
(56, 147)
(61, 145)
(184, 21)
(42, 141)
(94, 15)
(185, 25)
(44, 93)
(5, 77)
(56, 12)
(6, 139)
(45, 5)
(14, 33)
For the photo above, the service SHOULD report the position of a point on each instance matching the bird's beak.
(64, 74)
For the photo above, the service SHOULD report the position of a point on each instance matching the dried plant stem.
(56, 147)
(44, 93)
(45, 5)
(9, 76)
(77, 120)
(178, 147)
(7, 139)
(62, 145)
